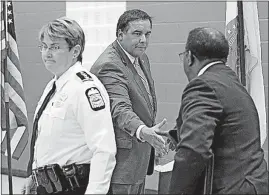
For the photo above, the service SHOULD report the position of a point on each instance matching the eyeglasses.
(181, 55)
(53, 48)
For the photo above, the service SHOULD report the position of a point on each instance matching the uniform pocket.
(56, 121)
(57, 112)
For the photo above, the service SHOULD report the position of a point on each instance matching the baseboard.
(148, 191)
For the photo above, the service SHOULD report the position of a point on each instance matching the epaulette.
(84, 76)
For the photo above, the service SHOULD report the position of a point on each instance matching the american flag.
(13, 87)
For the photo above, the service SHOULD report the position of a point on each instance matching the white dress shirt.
(71, 131)
(132, 59)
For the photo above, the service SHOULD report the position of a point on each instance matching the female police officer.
(73, 144)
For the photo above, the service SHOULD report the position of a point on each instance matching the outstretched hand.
(148, 134)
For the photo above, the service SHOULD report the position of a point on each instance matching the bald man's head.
(207, 43)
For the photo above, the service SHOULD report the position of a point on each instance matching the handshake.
(153, 135)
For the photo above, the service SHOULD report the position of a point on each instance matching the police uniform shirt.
(76, 127)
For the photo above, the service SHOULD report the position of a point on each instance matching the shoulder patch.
(84, 76)
(95, 99)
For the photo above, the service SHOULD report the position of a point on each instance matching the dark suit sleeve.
(173, 132)
(201, 112)
(116, 84)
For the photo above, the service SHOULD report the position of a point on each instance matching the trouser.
(127, 188)
(78, 191)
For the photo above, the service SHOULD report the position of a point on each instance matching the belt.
(77, 174)
(53, 178)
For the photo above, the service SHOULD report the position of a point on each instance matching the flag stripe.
(13, 54)
(14, 84)
(18, 146)
(2, 35)
(2, 24)
(12, 119)
(16, 138)
(21, 118)
(14, 73)
(2, 82)
(4, 142)
(3, 135)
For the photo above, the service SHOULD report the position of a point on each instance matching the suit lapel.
(137, 79)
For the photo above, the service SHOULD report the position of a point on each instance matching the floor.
(17, 183)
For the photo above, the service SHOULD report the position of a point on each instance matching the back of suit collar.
(207, 66)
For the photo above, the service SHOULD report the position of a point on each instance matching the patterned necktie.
(143, 79)
(35, 125)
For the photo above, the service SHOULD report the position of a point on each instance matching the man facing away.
(124, 70)
(217, 118)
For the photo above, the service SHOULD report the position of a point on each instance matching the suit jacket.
(130, 108)
(218, 116)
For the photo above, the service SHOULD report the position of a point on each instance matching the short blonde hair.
(67, 29)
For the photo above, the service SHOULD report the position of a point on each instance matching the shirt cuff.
(137, 133)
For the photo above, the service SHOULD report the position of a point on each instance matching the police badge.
(95, 99)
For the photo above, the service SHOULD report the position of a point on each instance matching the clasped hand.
(171, 142)
(149, 135)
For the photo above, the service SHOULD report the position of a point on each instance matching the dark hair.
(129, 16)
(207, 43)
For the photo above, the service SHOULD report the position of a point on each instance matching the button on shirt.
(71, 131)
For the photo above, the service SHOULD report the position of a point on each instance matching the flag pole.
(7, 103)
(241, 44)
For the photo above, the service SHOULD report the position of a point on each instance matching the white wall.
(98, 20)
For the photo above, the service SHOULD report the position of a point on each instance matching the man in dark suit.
(124, 70)
(217, 117)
